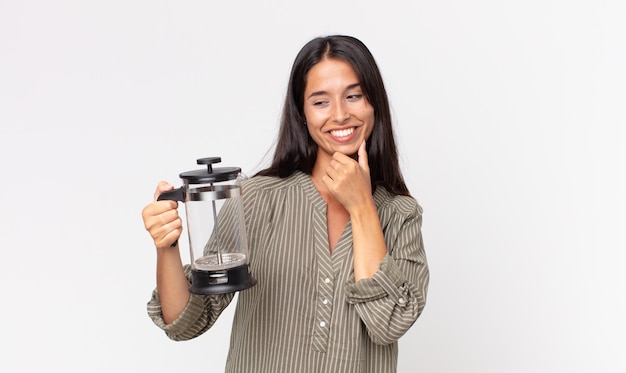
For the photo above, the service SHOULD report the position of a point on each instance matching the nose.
(340, 114)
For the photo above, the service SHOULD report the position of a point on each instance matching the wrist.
(363, 211)
(167, 250)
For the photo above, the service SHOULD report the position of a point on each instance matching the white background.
(510, 120)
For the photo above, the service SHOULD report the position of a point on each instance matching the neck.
(319, 170)
(322, 161)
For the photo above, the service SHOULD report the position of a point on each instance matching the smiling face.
(338, 115)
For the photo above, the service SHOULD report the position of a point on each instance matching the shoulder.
(264, 184)
(264, 196)
(405, 206)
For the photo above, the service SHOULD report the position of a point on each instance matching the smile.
(342, 133)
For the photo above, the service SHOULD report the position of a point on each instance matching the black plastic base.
(222, 281)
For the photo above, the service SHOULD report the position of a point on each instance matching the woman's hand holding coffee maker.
(161, 219)
(165, 226)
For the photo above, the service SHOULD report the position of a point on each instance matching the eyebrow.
(321, 93)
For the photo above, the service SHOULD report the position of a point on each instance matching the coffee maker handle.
(177, 194)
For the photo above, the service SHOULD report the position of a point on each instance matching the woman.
(334, 236)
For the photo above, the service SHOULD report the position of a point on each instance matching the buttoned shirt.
(306, 313)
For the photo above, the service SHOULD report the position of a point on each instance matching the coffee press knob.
(209, 162)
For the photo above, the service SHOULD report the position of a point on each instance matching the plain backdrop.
(509, 118)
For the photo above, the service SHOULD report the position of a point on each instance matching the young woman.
(334, 236)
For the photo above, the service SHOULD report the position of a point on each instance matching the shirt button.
(325, 301)
(401, 301)
(327, 280)
(322, 324)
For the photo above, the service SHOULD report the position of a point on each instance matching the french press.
(216, 228)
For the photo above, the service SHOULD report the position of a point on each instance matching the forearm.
(172, 285)
(392, 299)
(368, 241)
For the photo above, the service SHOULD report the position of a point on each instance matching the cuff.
(388, 281)
(192, 312)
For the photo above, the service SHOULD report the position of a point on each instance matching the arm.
(367, 240)
(198, 315)
(390, 270)
(349, 182)
(161, 220)
(172, 307)
(391, 300)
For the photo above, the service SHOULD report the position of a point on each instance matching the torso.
(276, 327)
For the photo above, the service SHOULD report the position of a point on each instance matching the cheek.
(367, 112)
(369, 132)
(311, 128)
(309, 117)
(371, 119)
(313, 119)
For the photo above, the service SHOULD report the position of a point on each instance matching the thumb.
(163, 186)
(363, 157)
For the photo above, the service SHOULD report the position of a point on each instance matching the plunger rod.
(217, 234)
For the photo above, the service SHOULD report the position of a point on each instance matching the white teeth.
(342, 133)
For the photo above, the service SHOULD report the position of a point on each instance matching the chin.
(354, 154)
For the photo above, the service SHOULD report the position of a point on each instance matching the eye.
(320, 103)
(355, 97)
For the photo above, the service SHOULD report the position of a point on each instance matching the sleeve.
(390, 302)
(198, 316)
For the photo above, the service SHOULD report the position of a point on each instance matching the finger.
(334, 165)
(158, 214)
(329, 182)
(168, 234)
(169, 240)
(158, 207)
(165, 228)
(336, 170)
(341, 158)
(169, 223)
(168, 216)
(331, 173)
(363, 162)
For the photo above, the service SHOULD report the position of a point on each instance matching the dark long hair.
(296, 150)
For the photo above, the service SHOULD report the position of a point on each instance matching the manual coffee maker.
(216, 228)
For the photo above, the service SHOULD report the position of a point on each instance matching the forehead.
(332, 72)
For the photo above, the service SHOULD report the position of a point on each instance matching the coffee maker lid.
(210, 174)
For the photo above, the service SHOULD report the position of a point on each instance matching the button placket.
(325, 296)
(324, 310)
